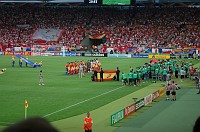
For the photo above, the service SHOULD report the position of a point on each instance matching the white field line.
(8, 123)
(82, 102)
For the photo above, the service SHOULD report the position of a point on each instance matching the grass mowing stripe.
(82, 101)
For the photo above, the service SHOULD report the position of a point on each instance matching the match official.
(101, 75)
(117, 73)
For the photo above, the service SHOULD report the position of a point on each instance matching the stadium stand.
(124, 29)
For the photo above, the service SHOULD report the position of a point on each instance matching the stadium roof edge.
(57, 4)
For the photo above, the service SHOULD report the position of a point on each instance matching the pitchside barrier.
(74, 53)
(160, 56)
(128, 110)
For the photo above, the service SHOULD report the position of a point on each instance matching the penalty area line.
(82, 102)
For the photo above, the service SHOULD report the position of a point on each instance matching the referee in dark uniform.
(117, 73)
(101, 75)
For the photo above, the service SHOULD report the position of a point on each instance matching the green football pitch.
(62, 96)
(116, 2)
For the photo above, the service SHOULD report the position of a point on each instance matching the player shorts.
(124, 80)
(182, 76)
(173, 93)
(167, 92)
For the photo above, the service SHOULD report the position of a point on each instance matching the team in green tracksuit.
(135, 78)
(130, 77)
(124, 79)
(157, 73)
(159, 70)
(164, 74)
(139, 77)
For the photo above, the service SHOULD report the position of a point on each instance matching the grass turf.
(59, 91)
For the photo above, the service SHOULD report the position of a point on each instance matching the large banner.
(162, 91)
(139, 56)
(155, 95)
(46, 35)
(166, 51)
(129, 110)
(119, 55)
(15, 53)
(107, 75)
(96, 54)
(160, 56)
(148, 99)
(140, 104)
(8, 53)
(97, 36)
(117, 116)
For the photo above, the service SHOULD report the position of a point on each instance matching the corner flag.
(26, 104)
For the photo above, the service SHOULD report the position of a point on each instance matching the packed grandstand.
(109, 32)
(124, 28)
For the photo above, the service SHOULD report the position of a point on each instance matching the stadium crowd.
(124, 29)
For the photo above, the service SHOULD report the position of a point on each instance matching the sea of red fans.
(124, 28)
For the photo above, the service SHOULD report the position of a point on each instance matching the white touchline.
(8, 123)
(82, 102)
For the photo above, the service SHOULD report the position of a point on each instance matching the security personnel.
(88, 122)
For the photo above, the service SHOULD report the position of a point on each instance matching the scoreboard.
(93, 2)
(117, 2)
